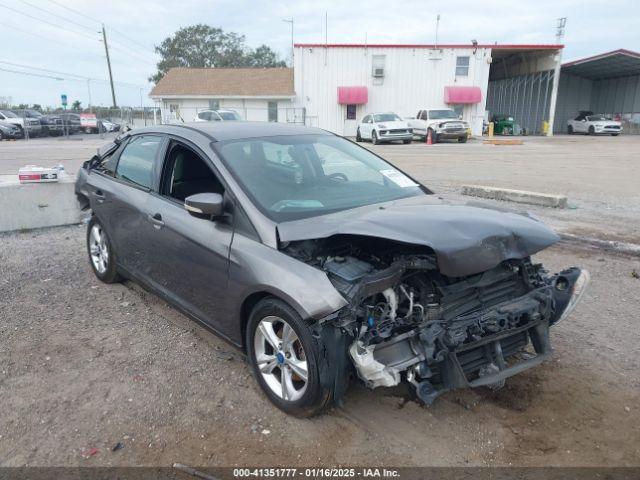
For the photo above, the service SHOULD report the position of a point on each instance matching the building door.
(350, 113)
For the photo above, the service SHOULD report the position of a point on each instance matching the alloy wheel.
(99, 250)
(281, 358)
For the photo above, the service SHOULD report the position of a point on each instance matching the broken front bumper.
(486, 361)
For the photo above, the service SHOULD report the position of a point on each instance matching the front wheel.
(374, 138)
(592, 130)
(570, 130)
(615, 134)
(358, 136)
(101, 254)
(462, 139)
(406, 142)
(284, 359)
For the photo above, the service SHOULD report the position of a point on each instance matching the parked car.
(217, 116)
(442, 123)
(9, 130)
(588, 122)
(88, 123)
(31, 125)
(384, 127)
(72, 122)
(50, 124)
(322, 261)
(108, 125)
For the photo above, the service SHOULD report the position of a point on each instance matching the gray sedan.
(321, 261)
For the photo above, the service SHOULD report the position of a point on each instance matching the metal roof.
(430, 46)
(617, 63)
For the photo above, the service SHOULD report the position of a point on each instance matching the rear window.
(137, 159)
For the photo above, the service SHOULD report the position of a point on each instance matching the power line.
(79, 78)
(30, 74)
(47, 22)
(146, 47)
(49, 12)
(49, 39)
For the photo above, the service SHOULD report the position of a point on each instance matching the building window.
(377, 65)
(214, 104)
(273, 111)
(351, 112)
(462, 66)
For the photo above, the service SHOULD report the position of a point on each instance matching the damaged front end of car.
(407, 321)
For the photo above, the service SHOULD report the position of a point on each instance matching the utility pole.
(106, 50)
(291, 22)
(89, 90)
(562, 22)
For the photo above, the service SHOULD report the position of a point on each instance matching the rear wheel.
(570, 130)
(284, 358)
(406, 142)
(462, 139)
(374, 138)
(88, 130)
(101, 254)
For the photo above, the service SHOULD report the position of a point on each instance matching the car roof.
(221, 131)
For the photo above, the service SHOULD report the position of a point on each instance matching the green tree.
(37, 106)
(76, 105)
(205, 46)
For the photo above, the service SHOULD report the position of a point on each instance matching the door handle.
(156, 220)
(99, 196)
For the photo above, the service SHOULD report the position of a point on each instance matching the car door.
(188, 256)
(118, 195)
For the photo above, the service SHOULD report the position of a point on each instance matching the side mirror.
(204, 204)
(459, 117)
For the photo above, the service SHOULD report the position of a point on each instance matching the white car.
(442, 122)
(588, 122)
(217, 116)
(33, 124)
(383, 127)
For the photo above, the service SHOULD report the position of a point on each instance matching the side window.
(204, 115)
(186, 173)
(137, 159)
(108, 164)
(423, 115)
(366, 119)
(462, 66)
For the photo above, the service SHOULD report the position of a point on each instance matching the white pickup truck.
(443, 123)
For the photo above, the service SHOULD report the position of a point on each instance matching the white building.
(258, 94)
(332, 86)
(337, 84)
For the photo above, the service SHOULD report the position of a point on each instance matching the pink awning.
(462, 95)
(352, 95)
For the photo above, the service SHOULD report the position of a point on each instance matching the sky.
(57, 47)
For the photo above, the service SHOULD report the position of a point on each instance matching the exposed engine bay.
(408, 322)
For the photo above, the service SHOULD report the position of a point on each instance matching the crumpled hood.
(466, 238)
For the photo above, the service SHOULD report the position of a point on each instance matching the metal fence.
(284, 114)
(526, 98)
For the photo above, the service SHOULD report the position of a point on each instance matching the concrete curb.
(624, 248)
(517, 196)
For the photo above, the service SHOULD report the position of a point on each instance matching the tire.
(406, 142)
(88, 130)
(358, 136)
(570, 130)
(1, 135)
(462, 139)
(374, 138)
(269, 319)
(100, 247)
(615, 134)
(592, 131)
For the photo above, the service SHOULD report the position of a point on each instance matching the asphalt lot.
(85, 365)
(600, 175)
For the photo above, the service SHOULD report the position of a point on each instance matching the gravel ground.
(85, 365)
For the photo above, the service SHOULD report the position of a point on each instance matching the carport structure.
(607, 84)
(521, 84)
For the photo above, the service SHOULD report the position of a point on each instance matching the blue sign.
(64, 99)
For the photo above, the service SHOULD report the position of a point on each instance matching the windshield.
(301, 176)
(442, 114)
(229, 115)
(595, 118)
(386, 117)
(8, 114)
